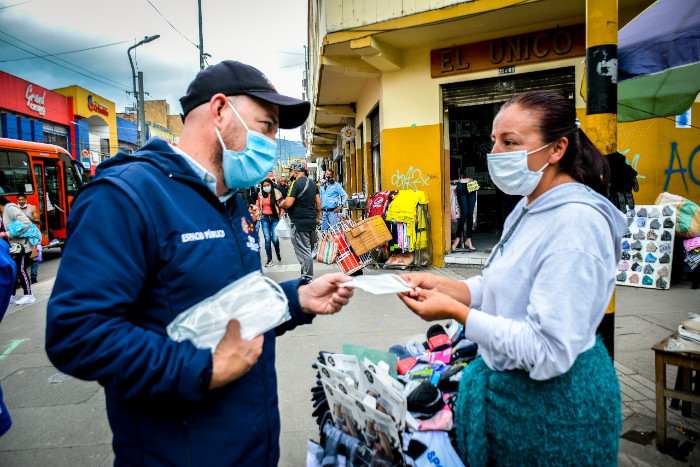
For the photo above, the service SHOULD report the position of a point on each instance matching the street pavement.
(61, 421)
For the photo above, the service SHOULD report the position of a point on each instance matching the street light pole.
(140, 118)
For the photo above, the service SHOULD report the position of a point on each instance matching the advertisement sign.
(33, 100)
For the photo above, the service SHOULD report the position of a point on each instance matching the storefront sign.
(35, 101)
(96, 106)
(506, 52)
(32, 100)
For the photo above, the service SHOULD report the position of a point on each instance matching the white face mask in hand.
(510, 173)
(256, 301)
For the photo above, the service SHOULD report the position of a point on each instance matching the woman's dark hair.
(4, 200)
(557, 119)
(272, 195)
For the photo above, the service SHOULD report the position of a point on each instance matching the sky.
(268, 34)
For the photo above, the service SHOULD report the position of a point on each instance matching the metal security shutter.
(487, 91)
(374, 126)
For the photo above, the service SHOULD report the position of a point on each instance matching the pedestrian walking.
(333, 198)
(167, 230)
(543, 389)
(303, 204)
(20, 247)
(269, 206)
(32, 213)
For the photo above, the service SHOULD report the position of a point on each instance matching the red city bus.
(48, 176)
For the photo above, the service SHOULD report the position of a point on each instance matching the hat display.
(232, 78)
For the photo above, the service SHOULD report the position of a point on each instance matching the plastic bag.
(282, 230)
(256, 301)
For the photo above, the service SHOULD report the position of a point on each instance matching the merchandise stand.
(390, 255)
(347, 260)
(367, 417)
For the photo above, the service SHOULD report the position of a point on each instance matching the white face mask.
(267, 189)
(510, 173)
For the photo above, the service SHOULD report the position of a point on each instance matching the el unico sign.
(96, 106)
(509, 51)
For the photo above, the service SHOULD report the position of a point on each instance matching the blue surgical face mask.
(510, 173)
(250, 166)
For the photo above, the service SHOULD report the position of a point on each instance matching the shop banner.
(30, 99)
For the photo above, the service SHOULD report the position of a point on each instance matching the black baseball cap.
(231, 78)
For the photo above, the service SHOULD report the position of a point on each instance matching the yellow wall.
(411, 160)
(648, 144)
(411, 117)
(81, 108)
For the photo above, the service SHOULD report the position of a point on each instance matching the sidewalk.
(61, 421)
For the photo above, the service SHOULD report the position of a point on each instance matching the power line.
(653, 115)
(171, 24)
(63, 53)
(103, 79)
(15, 4)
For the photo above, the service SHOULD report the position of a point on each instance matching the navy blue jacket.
(125, 274)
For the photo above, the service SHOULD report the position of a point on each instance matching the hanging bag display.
(327, 249)
(368, 234)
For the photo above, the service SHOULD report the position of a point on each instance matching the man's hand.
(234, 356)
(337, 209)
(324, 295)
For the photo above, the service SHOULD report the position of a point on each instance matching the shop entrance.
(470, 108)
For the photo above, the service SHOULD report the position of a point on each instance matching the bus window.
(71, 182)
(15, 176)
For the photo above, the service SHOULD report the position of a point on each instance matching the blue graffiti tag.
(680, 169)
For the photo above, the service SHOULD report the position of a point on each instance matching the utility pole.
(601, 104)
(140, 116)
(201, 38)
(142, 110)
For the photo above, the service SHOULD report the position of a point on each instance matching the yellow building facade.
(101, 116)
(420, 81)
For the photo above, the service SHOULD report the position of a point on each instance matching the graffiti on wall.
(681, 170)
(413, 179)
(633, 163)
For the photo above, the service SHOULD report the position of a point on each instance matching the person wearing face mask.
(33, 214)
(303, 204)
(542, 377)
(169, 230)
(333, 198)
(268, 204)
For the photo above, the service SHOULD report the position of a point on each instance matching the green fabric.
(507, 418)
(664, 94)
(687, 211)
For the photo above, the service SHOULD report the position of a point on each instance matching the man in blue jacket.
(156, 232)
(333, 198)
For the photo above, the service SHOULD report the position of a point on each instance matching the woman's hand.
(453, 289)
(422, 280)
(432, 305)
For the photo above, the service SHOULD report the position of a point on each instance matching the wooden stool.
(685, 363)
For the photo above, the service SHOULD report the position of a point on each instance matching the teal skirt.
(507, 418)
